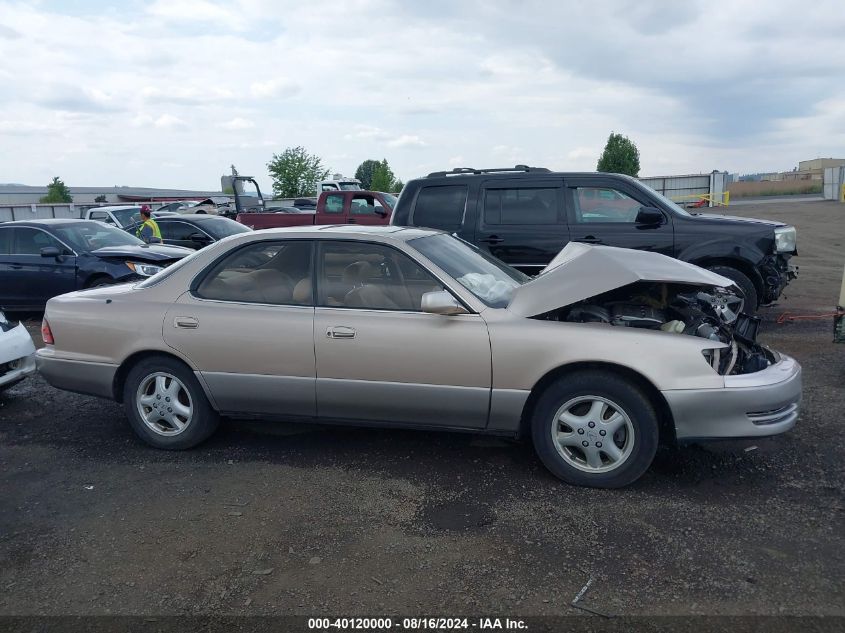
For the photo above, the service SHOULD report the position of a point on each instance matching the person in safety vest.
(148, 231)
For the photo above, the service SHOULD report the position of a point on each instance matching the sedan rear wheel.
(595, 428)
(166, 405)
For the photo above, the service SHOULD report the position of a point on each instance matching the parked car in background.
(333, 207)
(339, 183)
(121, 216)
(17, 353)
(194, 231)
(598, 358)
(525, 215)
(40, 259)
(179, 206)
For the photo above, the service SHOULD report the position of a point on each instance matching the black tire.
(198, 427)
(623, 396)
(99, 282)
(752, 301)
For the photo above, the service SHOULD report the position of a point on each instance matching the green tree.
(364, 173)
(397, 186)
(383, 177)
(620, 156)
(101, 198)
(57, 192)
(296, 173)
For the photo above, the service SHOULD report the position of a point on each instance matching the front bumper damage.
(777, 272)
(759, 404)
(17, 355)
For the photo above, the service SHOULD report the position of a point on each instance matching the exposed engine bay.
(707, 312)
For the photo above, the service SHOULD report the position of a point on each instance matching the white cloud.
(193, 11)
(366, 133)
(508, 90)
(237, 124)
(274, 88)
(407, 140)
(168, 121)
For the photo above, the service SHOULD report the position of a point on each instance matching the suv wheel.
(745, 284)
(166, 406)
(595, 428)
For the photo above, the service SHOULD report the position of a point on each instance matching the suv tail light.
(46, 334)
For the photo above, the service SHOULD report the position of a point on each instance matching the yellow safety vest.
(153, 225)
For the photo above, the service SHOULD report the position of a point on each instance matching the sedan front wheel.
(166, 406)
(595, 428)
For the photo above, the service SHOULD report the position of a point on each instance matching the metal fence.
(10, 212)
(707, 189)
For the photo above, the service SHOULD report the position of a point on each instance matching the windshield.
(492, 281)
(350, 186)
(390, 199)
(127, 216)
(222, 227)
(93, 235)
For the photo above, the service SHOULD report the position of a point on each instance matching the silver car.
(604, 354)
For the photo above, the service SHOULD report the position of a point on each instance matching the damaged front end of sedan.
(624, 288)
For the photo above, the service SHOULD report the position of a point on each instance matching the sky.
(170, 93)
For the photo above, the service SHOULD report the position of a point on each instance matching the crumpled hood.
(581, 271)
(147, 252)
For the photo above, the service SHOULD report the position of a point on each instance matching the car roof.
(118, 207)
(42, 222)
(401, 233)
(191, 217)
(519, 172)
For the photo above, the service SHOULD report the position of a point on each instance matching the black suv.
(526, 215)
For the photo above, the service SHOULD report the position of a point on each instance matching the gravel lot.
(296, 519)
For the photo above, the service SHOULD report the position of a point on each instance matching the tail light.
(46, 333)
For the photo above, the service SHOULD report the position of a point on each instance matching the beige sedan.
(599, 358)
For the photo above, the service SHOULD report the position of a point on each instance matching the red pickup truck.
(333, 207)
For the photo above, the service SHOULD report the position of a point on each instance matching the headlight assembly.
(145, 270)
(786, 239)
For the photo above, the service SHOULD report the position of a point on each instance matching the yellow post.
(842, 194)
(727, 198)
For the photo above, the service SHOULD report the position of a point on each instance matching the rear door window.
(277, 273)
(441, 207)
(334, 203)
(177, 230)
(522, 205)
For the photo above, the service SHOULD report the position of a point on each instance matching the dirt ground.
(294, 519)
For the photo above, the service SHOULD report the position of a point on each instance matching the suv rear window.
(441, 207)
(520, 206)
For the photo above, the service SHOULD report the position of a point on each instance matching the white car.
(17, 353)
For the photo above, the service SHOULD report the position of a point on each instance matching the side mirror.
(50, 251)
(651, 216)
(441, 302)
(198, 237)
(379, 210)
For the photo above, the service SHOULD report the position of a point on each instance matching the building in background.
(25, 194)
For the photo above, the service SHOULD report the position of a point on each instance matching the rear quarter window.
(441, 207)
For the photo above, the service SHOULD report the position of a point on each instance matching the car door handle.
(187, 323)
(340, 331)
(589, 239)
(493, 239)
